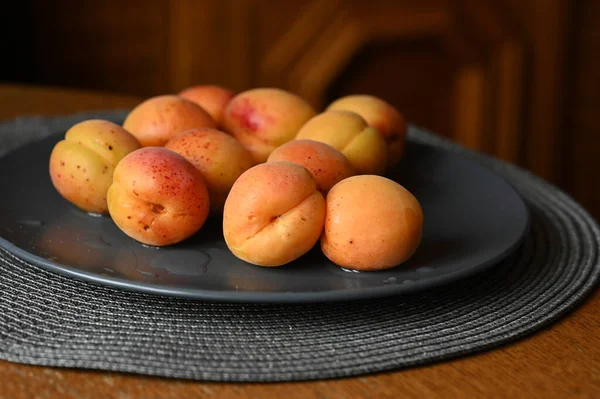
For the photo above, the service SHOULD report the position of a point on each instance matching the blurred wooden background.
(519, 79)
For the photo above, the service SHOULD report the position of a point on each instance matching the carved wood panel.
(480, 71)
(99, 45)
(481, 64)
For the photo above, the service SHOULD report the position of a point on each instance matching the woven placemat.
(47, 319)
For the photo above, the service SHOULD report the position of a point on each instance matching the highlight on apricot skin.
(218, 156)
(381, 115)
(157, 197)
(81, 166)
(372, 223)
(348, 132)
(158, 119)
(212, 98)
(327, 165)
(263, 119)
(274, 214)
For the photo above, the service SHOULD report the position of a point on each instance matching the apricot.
(274, 214)
(372, 223)
(157, 197)
(346, 131)
(82, 165)
(212, 98)
(265, 118)
(327, 165)
(218, 156)
(156, 120)
(381, 115)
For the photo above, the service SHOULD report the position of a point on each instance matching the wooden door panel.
(488, 74)
(451, 66)
(454, 67)
(415, 76)
(108, 45)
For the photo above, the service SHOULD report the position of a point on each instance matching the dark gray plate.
(473, 219)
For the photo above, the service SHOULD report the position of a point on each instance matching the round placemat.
(47, 319)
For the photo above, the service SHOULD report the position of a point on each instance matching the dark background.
(519, 79)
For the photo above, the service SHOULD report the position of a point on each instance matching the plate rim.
(202, 294)
(257, 296)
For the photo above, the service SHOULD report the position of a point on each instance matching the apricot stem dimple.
(157, 208)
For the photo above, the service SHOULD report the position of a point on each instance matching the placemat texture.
(47, 319)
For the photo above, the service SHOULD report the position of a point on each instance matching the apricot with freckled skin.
(263, 119)
(157, 197)
(274, 214)
(346, 131)
(212, 98)
(381, 115)
(327, 165)
(372, 223)
(218, 156)
(82, 165)
(158, 119)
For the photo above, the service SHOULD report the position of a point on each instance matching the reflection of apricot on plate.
(128, 263)
(56, 243)
(240, 282)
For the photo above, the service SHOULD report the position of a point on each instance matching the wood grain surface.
(563, 361)
(489, 74)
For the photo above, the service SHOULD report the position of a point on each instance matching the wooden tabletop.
(562, 361)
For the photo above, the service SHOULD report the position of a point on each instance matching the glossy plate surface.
(473, 219)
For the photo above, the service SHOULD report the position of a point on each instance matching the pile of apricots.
(281, 176)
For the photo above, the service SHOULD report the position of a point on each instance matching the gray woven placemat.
(47, 319)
